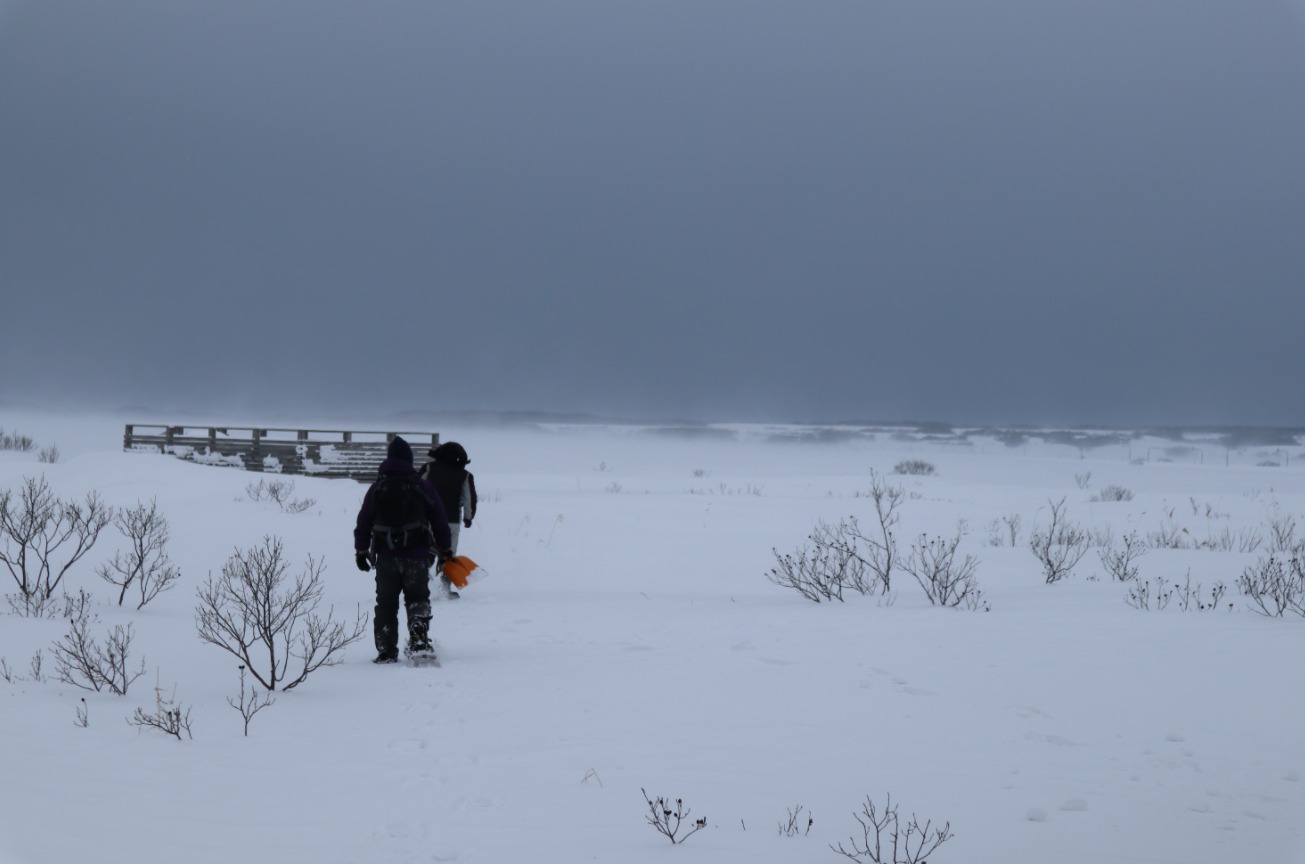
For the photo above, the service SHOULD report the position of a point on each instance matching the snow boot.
(387, 644)
(418, 637)
(446, 589)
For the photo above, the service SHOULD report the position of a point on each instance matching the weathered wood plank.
(310, 452)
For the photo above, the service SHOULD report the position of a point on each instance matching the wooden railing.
(312, 452)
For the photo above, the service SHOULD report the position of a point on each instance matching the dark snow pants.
(412, 579)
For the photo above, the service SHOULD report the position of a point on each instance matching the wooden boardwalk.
(311, 452)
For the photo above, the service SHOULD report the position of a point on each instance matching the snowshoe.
(421, 652)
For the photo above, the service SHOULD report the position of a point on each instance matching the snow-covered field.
(627, 638)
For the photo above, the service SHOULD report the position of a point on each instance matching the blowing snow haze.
(1005, 211)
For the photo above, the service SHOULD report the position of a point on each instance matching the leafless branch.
(168, 716)
(37, 526)
(668, 819)
(1060, 546)
(250, 702)
(266, 619)
(885, 840)
(82, 661)
(946, 581)
(145, 565)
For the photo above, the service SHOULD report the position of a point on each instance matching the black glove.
(446, 555)
(466, 523)
(360, 558)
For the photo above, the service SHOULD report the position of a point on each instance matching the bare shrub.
(34, 529)
(1100, 538)
(48, 455)
(1121, 564)
(886, 840)
(820, 570)
(1012, 522)
(669, 820)
(915, 467)
(14, 441)
(168, 717)
(1169, 536)
(280, 492)
(1245, 540)
(36, 667)
(946, 581)
(1060, 546)
(881, 550)
(9, 676)
(1003, 529)
(145, 565)
(1113, 493)
(75, 605)
(843, 556)
(859, 557)
(81, 660)
(1205, 509)
(838, 557)
(1149, 596)
(1194, 596)
(255, 613)
(1282, 531)
(250, 701)
(1156, 594)
(793, 825)
(1274, 586)
(1084, 480)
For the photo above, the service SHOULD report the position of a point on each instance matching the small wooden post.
(256, 450)
(126, 437)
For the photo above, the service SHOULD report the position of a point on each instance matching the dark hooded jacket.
(447, 472)
(398, 461)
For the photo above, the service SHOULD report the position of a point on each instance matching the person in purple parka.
(403, 530)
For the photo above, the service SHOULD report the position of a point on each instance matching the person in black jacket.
(456, 488)
(403, 529)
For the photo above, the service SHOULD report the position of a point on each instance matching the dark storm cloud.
(997, 211)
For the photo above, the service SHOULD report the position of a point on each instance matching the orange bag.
(458, 568)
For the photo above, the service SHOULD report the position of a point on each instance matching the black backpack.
(399, 510)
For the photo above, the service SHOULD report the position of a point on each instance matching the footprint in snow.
(404, 831)
(409, 745)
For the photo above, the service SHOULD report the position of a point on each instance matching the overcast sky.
(978, 211)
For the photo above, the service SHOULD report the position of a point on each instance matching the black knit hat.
(400, 449)
(450, 451)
